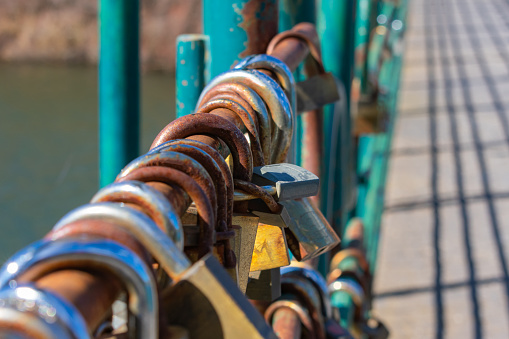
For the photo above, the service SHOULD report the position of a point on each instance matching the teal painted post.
(190, 71)
(336, 30)
(291, 13)
(237, 28)
(119, 88)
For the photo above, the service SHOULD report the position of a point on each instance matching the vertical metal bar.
(336, 29)
(291, 13)
(190, 71)
(119, 88)
(237, 28)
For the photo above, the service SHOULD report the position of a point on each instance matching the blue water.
(48, 138)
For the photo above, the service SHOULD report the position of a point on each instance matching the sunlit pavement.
(444, 254)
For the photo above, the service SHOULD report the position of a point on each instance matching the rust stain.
(260, 21)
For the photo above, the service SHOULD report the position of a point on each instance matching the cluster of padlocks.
(193, 239)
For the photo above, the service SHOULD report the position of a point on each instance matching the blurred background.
(48, 104)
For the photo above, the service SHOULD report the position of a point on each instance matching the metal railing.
(192, 239)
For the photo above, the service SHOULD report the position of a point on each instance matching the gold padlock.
(270, 248)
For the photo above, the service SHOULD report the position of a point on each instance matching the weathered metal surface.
(180, 162)
(175, 177)
(258, 192)
(210, 124)
(190, 71)
(232, 103)
(255, 104)
(148, 200)
(237, 28)
(275, 99)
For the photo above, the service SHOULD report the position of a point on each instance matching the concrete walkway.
(443, 267)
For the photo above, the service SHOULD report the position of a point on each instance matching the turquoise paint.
(292, 12)
(119, 86)
(224, 23)
(336, 29)
(190, 71)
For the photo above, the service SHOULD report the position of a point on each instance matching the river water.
(49, 143)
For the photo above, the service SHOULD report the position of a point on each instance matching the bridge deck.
(444, 256)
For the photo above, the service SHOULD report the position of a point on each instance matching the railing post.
(336, 21)
(119, 88)
(290, 14)
(190, 71)
(237, 28)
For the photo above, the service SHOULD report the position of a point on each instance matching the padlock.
(51, 316)
(190, 167)
(151, 201)
(270, 249)
(180, 162)
(304, 271)
(304, 290)
(245, 226)
(278, 68)
(221, 179)
(309, 233)
(171, 176)
(372, 115)
(248, 224)
(215, 126)
(275, 99)
(233, 103)
(255, 103)
(333, 330)
(264, 285)
(43, 257)
(291, 181)
(205, 281)
(290, 319)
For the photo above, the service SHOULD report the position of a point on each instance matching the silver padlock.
(291, 181)
(48, 315)
(43, 256)
(310, 234)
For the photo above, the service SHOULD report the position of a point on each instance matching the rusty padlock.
(255, 105)
(151, 202)
(221, 178)
(276, 101)
(206, 220)
(226, 131)
(214, 126)
(234, 104)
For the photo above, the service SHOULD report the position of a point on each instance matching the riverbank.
(65, 31)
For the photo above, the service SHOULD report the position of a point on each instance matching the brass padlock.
(309, 233)
(206, 302)
(201, 297)
(245, 225)
(270, 249)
